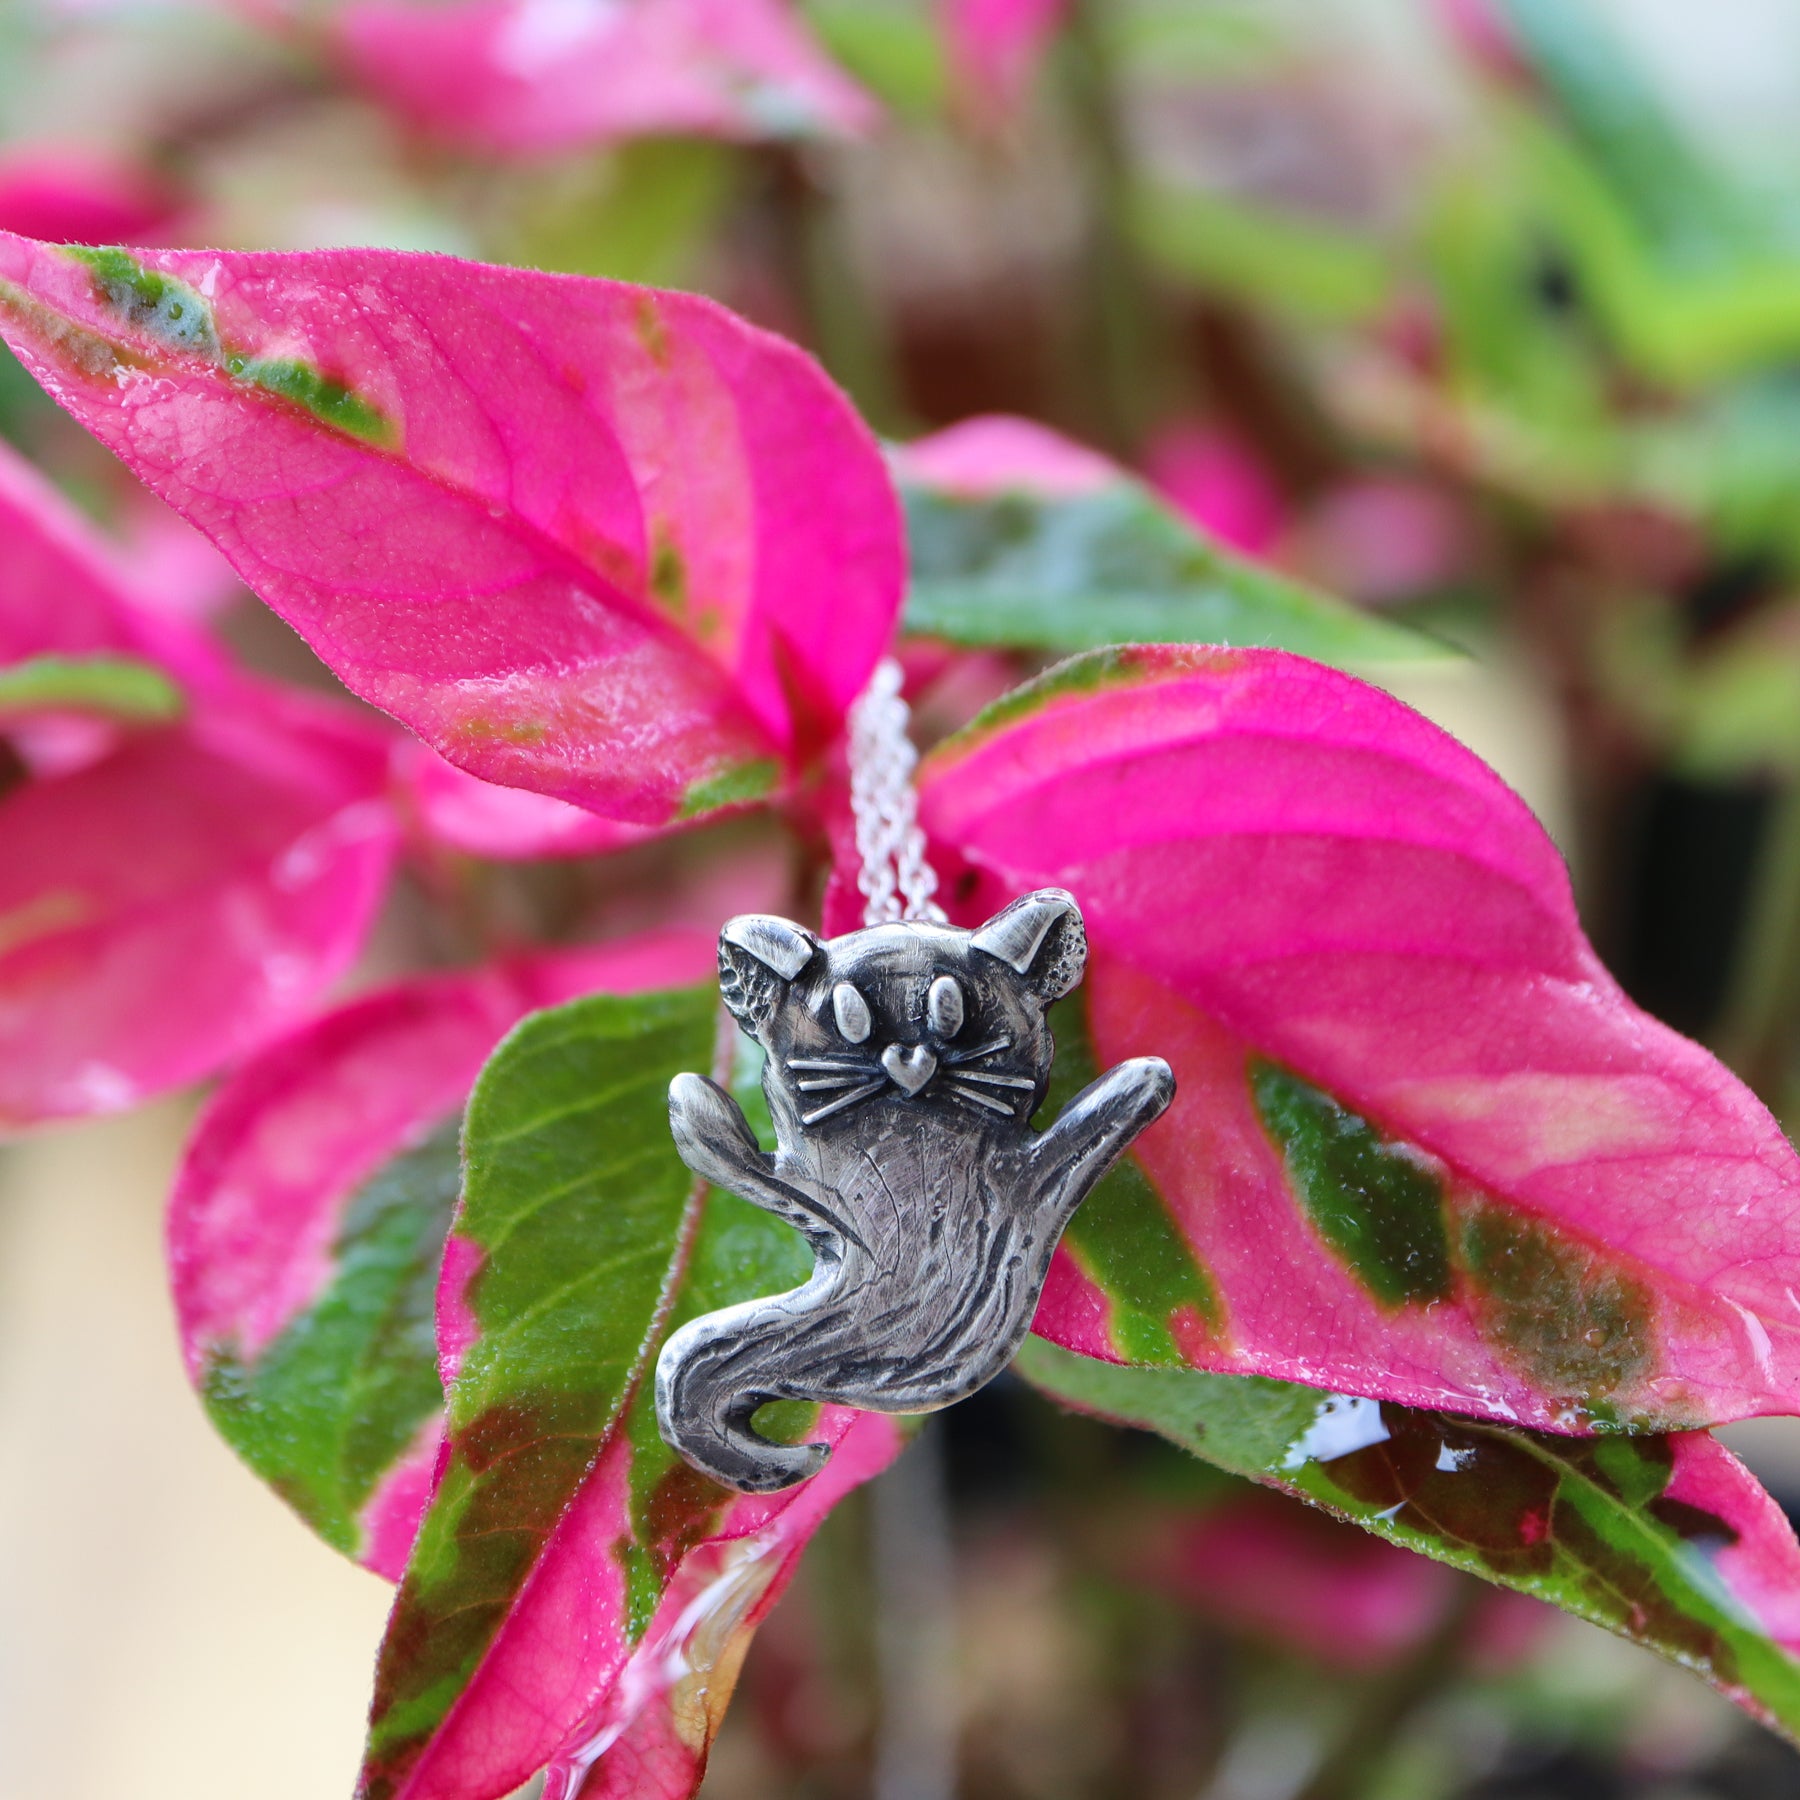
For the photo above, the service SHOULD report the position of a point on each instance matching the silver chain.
(896, 879)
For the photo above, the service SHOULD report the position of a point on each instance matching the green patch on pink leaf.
(1379, 1205)
(1123, 1239)
(1572, 1318)
(327, 1409)
(324, 396)
(121, 688)
(308, 1225)
(743, 785)
(159, 305)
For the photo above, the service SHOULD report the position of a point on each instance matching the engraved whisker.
(976, 1098)
(849, 1099)
(821, 1084)
(831, 1065)
(1011, 1081)
(980, 1050)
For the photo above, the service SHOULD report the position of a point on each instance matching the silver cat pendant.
(905, 1062)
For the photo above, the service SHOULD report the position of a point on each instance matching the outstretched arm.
(1094, 1129)
(716, 1142)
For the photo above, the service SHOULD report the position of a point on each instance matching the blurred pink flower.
(1219, 484)
(994, 453)
(1481, 30)
(1381, 539)
(994, 49)
(1279, 1570)
(538, 76)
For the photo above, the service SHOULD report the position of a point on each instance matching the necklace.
(904, 1062)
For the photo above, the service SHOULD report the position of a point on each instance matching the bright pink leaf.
(534, 76)
(508, 824)
(610, 544)
(997, 454)
(65, 592)
(172, 904)
(264, 1255)
(1423, 1148)
(79, 197)
(995, 47)
(168, 898)
(648, 1738)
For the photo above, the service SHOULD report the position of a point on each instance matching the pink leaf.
(258, 1248)
(998, 454)
(649, 1737)
(1487, 1181)
(995, 47)
(174, 903)
(79, 197)
(508, 824)
(65, 592)
(610, 544)
(167, 899)
(533, 76)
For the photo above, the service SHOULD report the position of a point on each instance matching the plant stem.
(847, 333)
(1359, 1756)
(1121, 320)
(915, 1742)
(1762, 1009)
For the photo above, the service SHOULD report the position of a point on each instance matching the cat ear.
(1042, 937)
(759, 955)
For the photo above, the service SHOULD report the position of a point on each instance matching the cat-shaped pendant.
(905, 1062)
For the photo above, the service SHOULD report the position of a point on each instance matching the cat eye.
(944, 1007)
(852, 1012)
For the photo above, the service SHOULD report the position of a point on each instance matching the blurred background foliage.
(1483, 313)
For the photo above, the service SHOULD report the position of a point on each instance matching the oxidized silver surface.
(904, 1064)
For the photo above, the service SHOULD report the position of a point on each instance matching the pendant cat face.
(904, 1065)
(916, 1017)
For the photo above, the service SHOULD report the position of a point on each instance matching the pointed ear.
(1043, 938)
(759, 955)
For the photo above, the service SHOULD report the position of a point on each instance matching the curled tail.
(707, 1391)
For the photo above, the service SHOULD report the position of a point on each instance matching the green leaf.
(115, 687)
(1692, 272)
(1116, 566)
(1591, 1525)
(1272, 258)
(640, 213)
(325, 1411)
(563, 1526)
(894, 47)
(575, 1228)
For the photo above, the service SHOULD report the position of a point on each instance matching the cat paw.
(710, 1130)
(1146, 1085)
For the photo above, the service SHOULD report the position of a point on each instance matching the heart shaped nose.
(910, 1068)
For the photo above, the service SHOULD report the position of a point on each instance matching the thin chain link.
(896, 879)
